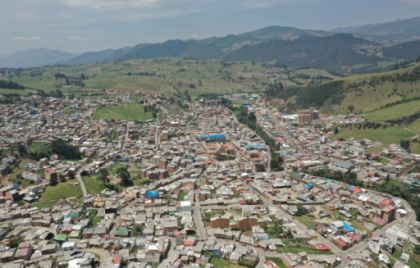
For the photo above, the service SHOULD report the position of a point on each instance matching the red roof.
(322, 247)
(180, 233)
(271, 264)
(188, 243)
(340, 243)
(352, 236)
(356, 190)
(387, 202)
(380, 221)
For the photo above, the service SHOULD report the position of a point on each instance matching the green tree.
(53, 181)
(71, 174)
(351, 108)
(103, 175)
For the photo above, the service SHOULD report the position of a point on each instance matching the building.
(388, 214)
(246, 224)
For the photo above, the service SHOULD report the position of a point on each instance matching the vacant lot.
(93, 186)
(129, 112)
(61, 191)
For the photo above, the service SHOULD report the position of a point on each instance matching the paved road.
(201, 229)
(82, 184)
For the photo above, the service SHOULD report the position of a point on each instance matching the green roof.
(60, 237)
(122, 232)
(73, 215)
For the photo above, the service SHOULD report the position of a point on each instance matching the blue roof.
(347, 227)
(351, 187)
(212, 136)
(308, 185)
(152, 193)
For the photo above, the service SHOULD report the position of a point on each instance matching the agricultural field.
(167, 76)
(127, 112)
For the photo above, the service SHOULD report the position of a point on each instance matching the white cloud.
(122, 4)
(78, 38)
(24, 38)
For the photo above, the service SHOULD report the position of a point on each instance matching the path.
(82, 184)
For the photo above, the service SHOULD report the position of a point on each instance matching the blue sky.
(91, 25)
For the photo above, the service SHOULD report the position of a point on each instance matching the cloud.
(30, 38)
(77, 38)
(257, 4)
(122, 4)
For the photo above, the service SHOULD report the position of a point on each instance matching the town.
(224, 182)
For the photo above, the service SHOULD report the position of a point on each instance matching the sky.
(91, 25)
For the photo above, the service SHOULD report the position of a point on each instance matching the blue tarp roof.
(212, 136)
(152, 193)
(347, 227)
(351, 187)
(308, 185)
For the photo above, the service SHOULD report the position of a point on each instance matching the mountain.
(332, 53)
(392, 32)
(232, 42)
(408, 51)
(35, 57)
(209, 48)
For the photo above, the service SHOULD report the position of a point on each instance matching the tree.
(405, 144)
(125, 176)
(103, 175)
(301, 210)
(351, 108)
(71, 174)
(53, 181)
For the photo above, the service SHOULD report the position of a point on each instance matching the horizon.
(79, 26)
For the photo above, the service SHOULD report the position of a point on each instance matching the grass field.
(93, 186)
(288, 249)
(60, 191)
(394, 112)
(113, 169)
(41, 205)
(128, 112)
(388, 135)
(39, 147)
(308, 221)
(224, 264)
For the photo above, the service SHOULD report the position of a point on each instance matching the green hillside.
(366, 93)
(168, 76)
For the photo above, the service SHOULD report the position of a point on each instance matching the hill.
(35, 57)
(398, 31)
(364, 93)
(408, 51)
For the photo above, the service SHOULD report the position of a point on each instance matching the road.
(82, 184)
(200, 228)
